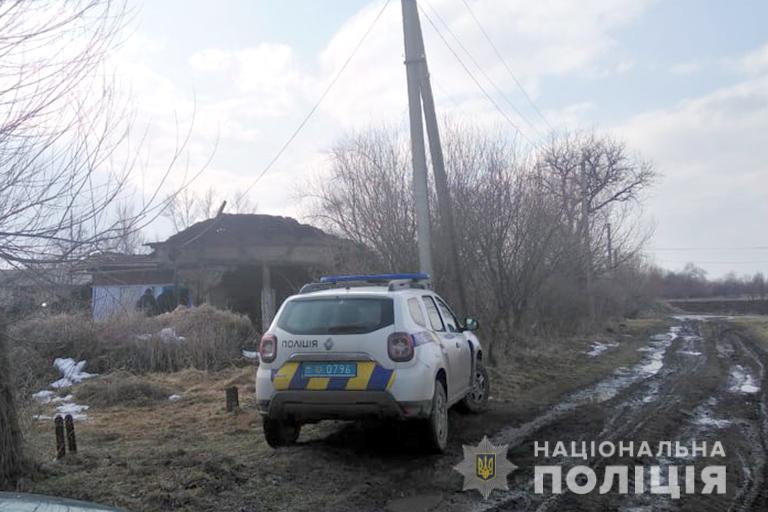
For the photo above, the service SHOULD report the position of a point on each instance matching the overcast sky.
(683, 82)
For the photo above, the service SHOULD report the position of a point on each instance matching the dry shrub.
(204, 338)
(120, 388)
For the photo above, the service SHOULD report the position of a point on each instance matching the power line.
(747, 248)
(474, 79)
(480, 68)
(718, 262)
(320, 99)
(504, 63)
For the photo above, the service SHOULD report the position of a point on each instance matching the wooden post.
(267, 298)
(69, 425)
(61, 448)
(233, 402)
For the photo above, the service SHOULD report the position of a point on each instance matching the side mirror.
(470, 324)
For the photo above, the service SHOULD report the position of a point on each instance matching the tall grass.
(205, 338)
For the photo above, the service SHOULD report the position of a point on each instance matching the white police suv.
(370, 346)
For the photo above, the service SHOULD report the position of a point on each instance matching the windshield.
(336, 315)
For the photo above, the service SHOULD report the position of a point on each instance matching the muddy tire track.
(691, 396)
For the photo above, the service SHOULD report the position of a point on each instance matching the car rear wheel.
(280, 432)
(436, 431)
(476, 400)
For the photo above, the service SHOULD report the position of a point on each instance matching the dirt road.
(700, 381)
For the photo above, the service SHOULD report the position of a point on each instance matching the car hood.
(22, 502)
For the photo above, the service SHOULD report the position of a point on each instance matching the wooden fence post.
(233, 401)
(69, 425)
(61, 448)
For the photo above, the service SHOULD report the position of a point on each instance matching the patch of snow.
(653, 366)
(43, 396)
(71, 371)
(66, 407)
(71, 408)
(742, 381)
(248, 354)
(598, 348)
(168, 335)
(689, 352)
(173, 398)
(708, 421)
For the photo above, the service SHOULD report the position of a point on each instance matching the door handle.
(457, 345)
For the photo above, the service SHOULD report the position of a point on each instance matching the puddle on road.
(690, 345)
(741, 381)
(700, 318)
(703, 417)
(602, 391)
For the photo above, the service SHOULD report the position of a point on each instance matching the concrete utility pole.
(585, 207)
(413, 61)
(611, 262)
(416, 64)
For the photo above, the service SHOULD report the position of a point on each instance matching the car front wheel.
(476, 400)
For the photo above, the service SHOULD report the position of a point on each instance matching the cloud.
(686, 68)
(250, 98)
(538, 39)
(711, 151)
(755, 61)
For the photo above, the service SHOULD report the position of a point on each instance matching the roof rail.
(392, 281)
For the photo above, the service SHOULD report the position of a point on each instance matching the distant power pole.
(611, 263)
(416, 64)
(587, 244)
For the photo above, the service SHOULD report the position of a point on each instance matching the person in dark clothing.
(147, 303)
(166, 301)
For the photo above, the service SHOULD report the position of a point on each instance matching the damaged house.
(246, 263)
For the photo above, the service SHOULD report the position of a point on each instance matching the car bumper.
(304, 405)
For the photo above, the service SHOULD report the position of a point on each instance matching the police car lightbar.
(393, 281)
(416, 276)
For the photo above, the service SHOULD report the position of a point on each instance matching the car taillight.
(268, 348)
(400, 346)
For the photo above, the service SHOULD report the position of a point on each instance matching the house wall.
(108, 300)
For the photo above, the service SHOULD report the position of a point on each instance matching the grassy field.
(755, 325)
(142, 451)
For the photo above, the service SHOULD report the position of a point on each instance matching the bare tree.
(368, 198)
(67, 157)
(11, 456)
(188, 207)
(597, 181)
(128, 239)
(506, 227)
(522, 219)
(599, 186)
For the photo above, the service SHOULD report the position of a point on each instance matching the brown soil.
(192, 455)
